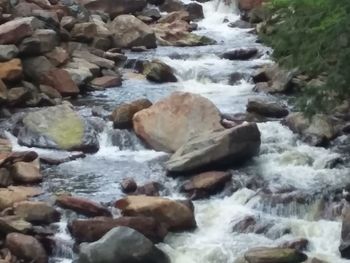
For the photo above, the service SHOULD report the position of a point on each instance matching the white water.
(283, 162)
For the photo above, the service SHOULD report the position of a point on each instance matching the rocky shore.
(55, 52)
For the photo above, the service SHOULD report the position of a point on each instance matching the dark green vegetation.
(313, 36)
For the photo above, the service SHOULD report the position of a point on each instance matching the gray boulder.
(121, 245)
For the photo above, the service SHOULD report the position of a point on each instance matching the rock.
(82, 71)
(165, 125)
(50, 92)
(128, 31)
(123, 115)
(159, 72)
(58, 56)
(240, 54)
(5, 178)
(26, 248)
(13, 194)
(68, 22)
(267, 108)
(175, 16)
(60, 80)
(261, 87)
(156, 2)
(91, 230)
(17, 96)
(217, 148)
(94, 59)
(152, 13)
(171, 6)
(195, 10)
(82, 206)
(241, 24)
(57, 127)
(10, 224)
(8, 52)
(122, 244)
(115, 7)
(14, 157)
(298, 244)
(128, 185)
(279, 80)
(149, 189)
(84, 32)
(36, 212)
(106, 82)
(274, 255)
(27, 173)
(3, 92)
(318, 131)
(205, 184)
(11, 70)
(174, 214)
(42, 41)
(247, 5)
(344, 247)
(14, 31)
(35, 67)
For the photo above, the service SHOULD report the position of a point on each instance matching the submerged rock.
(91, 230)
(274, 255)
(218, 148)
(159, 72)
(170, 122)
(240, 54)
(120, 245)
(174, 214)
(57, 127)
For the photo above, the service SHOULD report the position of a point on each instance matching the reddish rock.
(93, 229)
(106, 82)
(26, 248)
(82, 206)
(60, 80)
(14, 31)
(11, 70)
(128, 185)
(149, 189)
(247, 5)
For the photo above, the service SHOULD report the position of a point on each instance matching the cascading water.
(284, 163)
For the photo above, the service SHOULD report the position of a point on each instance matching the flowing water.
(284, 165)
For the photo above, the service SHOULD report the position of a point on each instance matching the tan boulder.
(26, 172)
(3, 92)
(84, 32)
(11, 70)
(36, 212)
(106, 82)
(58, 56)
(175, 215)
(14, 194)
(170, 122)
(9, 224)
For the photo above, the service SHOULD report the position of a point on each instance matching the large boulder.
(128, 31)
(58, 127)
(274, 255)
(36, 212)
(120, 245)
(26, 248)
(14, 194)
(175, 215)
(26, 172)
(317, 130)
(91, 230)
(159, 72)
(267, 108)
(122, 116)
(170, 122)
(227, 147)
(14, 31)
(114, 7)
(82, 206)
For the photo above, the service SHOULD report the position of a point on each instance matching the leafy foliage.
(314, 37)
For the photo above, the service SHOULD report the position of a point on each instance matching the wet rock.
(27, 173)
(236, 77)
(174, 214)
(11, 70)
(91, 230)
(299, 244)
(274, 255)
(149, 189)
(14, 157)
(36, 212)
(82, 206)
(14, 31)
(14, 194)
(57, 127)
(205, 184)
(152, 13)
(344, 247)
(10, 224)
(84, 32)
(115, 8)
(164, 126)
(180, 16)
(8, 52)
(316, 131)
(26, 248)
(106, 82)
(279, 80)
(195, 10)
(5, 178)
(212, 149)
(159, 72)
(241, 24)
(123, 115)
(261, 87)
(128, 185)
(128, 31)
(240, 54)
(245, 225)
(122, 244)
(58, 56)
(247, 5)
(267, 108)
